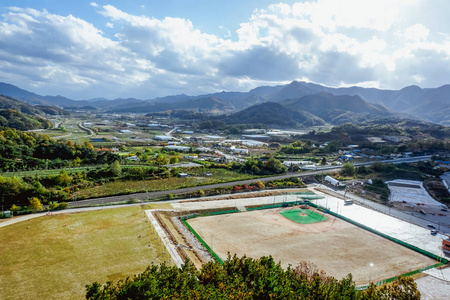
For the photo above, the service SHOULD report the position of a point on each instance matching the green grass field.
(303, 216)
(58, 255)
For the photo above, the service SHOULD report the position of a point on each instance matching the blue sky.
(146, 49)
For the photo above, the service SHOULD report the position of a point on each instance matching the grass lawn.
(58, 255)
(303, 216)
(119, 187)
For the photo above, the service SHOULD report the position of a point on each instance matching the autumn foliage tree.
(243, 278)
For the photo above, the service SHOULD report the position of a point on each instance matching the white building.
(162, 138)
(178, 148)
(332, 181)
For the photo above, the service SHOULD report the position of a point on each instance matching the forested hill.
(12, 103)
(17, 120)
(274, 114)
(20, 115)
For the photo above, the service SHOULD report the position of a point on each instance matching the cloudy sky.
(145, 49)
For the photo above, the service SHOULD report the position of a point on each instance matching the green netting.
(216, 257)
(312, 197)
(441, 260)
(264, 207)
(303, 216)
(303, 193)
(214, 213)
(363, 287)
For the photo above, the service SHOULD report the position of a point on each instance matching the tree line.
(245, 278)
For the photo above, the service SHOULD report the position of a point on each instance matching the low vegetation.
(244, 278)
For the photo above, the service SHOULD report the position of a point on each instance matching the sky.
(146, 49)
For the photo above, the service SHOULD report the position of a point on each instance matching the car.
(434, 232)
(431, 226)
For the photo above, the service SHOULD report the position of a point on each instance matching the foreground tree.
(243, 278)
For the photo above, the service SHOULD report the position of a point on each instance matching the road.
(155, 194)
(123, 198)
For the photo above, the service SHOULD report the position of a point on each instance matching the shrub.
(53, 205)
(35, 204)
(63, 205)
(132, 200)
(259, 184)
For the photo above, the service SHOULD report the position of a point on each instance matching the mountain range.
(332, 105)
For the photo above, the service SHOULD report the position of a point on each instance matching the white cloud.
(416, 33)
(373, 43)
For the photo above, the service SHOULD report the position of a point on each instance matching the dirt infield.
(334, 245)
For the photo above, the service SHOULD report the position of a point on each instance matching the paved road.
(122, 198)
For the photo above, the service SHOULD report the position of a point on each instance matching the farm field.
(54, 257)
(334, 245)
(113, 188)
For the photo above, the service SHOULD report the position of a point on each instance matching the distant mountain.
(274, 114)
(337, 109)
(208, 104)
(427, 104)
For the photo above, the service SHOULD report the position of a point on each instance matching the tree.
(35, 204)
(115, 168)
(173, 159)
(63, 178)
(275, 166)
(76, 162)
(348, 169)
(403, 288)
(241, 278)
(14, 208)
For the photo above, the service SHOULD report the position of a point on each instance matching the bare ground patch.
(335, 246)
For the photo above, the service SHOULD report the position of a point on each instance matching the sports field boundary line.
(441, 261)
(216, 257)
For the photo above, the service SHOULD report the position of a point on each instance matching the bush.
(53, 205)
(169, 196)
(35, 204)
(259, 184)
(63, 205)
(132, 201)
